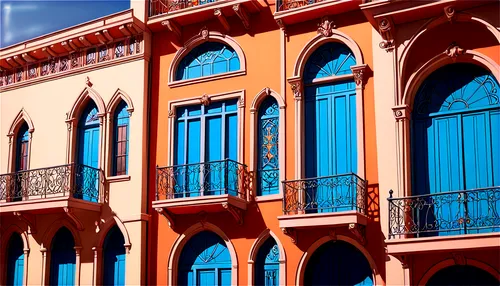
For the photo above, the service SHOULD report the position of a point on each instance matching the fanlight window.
(332, 59)
(208, 59)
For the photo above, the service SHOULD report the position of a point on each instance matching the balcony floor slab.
(332, 219)
(47, 205)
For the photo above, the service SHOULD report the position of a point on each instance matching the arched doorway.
(267, 264)
(331, 151)
(15, 260)
(114, 258)
(456, 147)
(62, 258)
(205, 260)
(462, 275)
(338, 263)
(88, 154)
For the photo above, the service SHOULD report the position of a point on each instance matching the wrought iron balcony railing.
(76, 180)
(284, 5)
(450, 213)
(158, 7)
(202, 179)
(325, 195)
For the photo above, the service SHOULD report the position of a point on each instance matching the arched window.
(15, 260)
(209, 58)
(267, 264)
(121, 130)
(330, 129)
(456, 146)
(88, 154)
(62, 258)
(462, 275)
(338, 263)
(268, 160)
(22, 148)
(114, 258)
(205, 260)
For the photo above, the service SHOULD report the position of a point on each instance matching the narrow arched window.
(207, 59)
(22, 148)
(62, 259)
(121, 138)
(267, 264)
(114, 258)
(268, 160)
(15, 260)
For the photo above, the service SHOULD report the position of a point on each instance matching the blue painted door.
(455, 138)
(267, 264)
(114, 258)
(338, 263)
(88, 153)
(15, 261)
(199, 167)
(62, 259)
(205, 260)
(330, 127)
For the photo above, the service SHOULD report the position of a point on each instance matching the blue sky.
(23, 20)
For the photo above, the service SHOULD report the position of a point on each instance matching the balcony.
(45, 189)
(177, 13)
(331, 201)
(209, 187)
(444, 221)
(295, 11)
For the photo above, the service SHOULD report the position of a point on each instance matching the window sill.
(268, 198)
(114, 179)
(184, 82)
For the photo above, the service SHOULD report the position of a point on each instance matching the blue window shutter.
(15, 261)
(204, 260)
(267, 147)
(121, 129)
(63, 258)
(207, 59)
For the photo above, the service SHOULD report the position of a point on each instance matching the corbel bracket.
(242, 14)
(386, 30)
(359, 73)
(124, 30)
(19, 60)
(28, 219)
(28, 58)
(359, 232)
(237, 213)
(168, 216)
(222, 19)
(291, 232)
(282, 26)
(78, 224)
(100, 37)
(84, 41)
(173, 27)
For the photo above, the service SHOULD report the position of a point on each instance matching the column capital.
(401, 112)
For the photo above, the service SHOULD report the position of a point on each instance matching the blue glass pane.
(208, 59)
(268, 171)
(114, 258)
(267, 264)
(15, 261)
(331, 59)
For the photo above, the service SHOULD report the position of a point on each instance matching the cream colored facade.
(47, 104)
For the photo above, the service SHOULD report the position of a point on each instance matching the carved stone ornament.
(359, 74)
(292, 233)
(325, 27)
(282, 26)
(449, 12)
(296, 89)
(241, 102)
(401, 112)
(459, 258)
(171, 113)
(385, 28)
(88, 82)
(237, 213)
(204, 33)
(453, 50)
(205, 100)
(332, 234)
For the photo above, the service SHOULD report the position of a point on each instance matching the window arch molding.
(296, 83)
(182, 239)
(301, 270)
(254, 250)
(118, 97)
(451, 262)
(203, 37)
(254, 110)
(73, 117)
(402, 112)
(21, 118)
(98, 248)
(4, 243)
